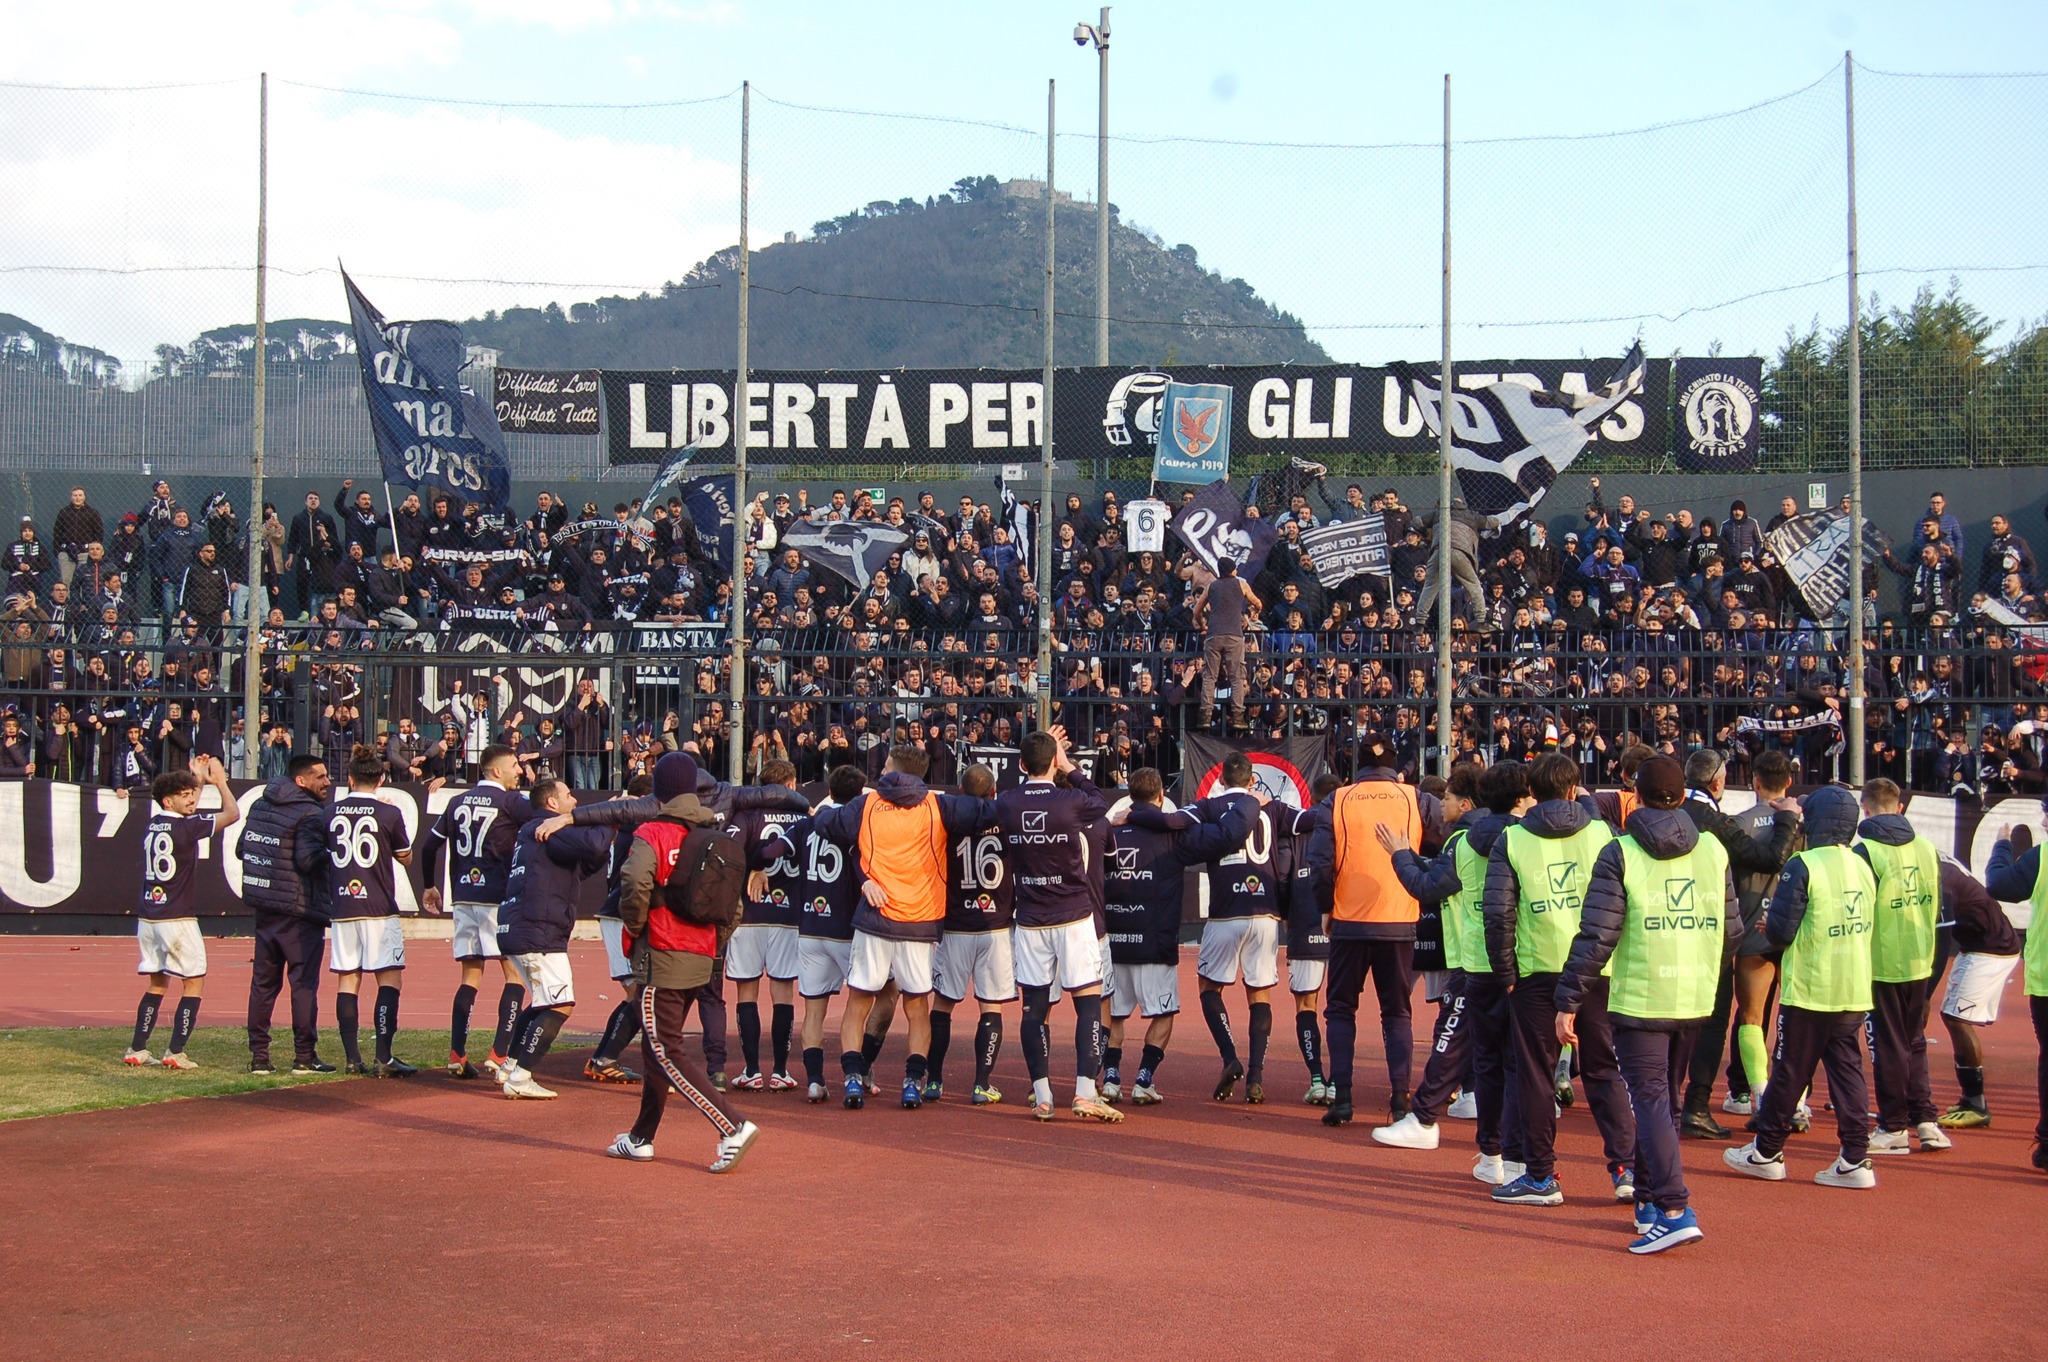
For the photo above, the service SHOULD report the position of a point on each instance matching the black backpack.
(711, 893)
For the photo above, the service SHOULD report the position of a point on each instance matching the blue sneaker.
(1625, 1185)
(856, 1092)
(1529, 1191)
(1668, 1232)
(913, 1093)
(933, 1090)
(1646, 1216)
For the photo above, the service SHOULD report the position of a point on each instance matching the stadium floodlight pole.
(737, 719)
(1443, 489)
(1044, 526)
(1098, 33)
(252, 671)
(1856, 696)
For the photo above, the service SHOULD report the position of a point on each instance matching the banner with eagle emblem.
(1194, 434)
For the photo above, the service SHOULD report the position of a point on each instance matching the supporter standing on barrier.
(1659, 914)
(168, 923)
(1219, 610)
(284, 882)
(679, 889)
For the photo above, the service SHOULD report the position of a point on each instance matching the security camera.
(1080, 35)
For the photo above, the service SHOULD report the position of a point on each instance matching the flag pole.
(252, 671)
(738, 690)
(1443, 491)
(1043, 528)
(1856, 696)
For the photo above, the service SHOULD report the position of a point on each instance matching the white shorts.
(476, 931)
(365, 945)
(547, 979)
(875, 960)
(1148, 990)
(1231, 944)
(1069, 956)
(1975, 984)
(821, 965)
(615, 962)
(1306, 976)
(173, 946)
(985, 961)
(757, 950)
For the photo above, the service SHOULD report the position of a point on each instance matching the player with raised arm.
(765, 942)
(975, 950)
(479, 827)
(1046, 832)
(620, 1029)
(825, 918)
(167, 926)
(365, 838)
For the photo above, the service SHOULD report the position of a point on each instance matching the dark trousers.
(1898, 1054)
(1443, 1074)
(664, 1062)
(1652, 1064)
(1489, 1025)
(1714, 1034)
(1806, 1041)
(1392, 967)
(711, 1017)
(2039, 1008)
(286, 947)
(1536, 1047)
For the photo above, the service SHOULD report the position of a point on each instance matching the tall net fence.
(603, 235)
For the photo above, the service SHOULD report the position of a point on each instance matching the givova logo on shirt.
(1681, 912)
(1563, 879)
(1911, 890)
(1856, 911)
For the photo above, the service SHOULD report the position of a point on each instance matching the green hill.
(947, 282)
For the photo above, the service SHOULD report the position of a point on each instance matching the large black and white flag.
(1215, 525)
(432, 430)
(1814, 550)
(854, 549)
(1510, 441)
(1014, 515)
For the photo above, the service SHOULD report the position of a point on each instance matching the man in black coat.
(312, 548)
(284, 884)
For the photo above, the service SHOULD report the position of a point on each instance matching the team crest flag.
(1284, 769)
(1194, 434)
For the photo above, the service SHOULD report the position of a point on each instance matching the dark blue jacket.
(283, 854)
(544, 884)
(2011, 879)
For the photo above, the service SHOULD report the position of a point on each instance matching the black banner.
(546, 401)
(992, 416)
(1344, 549)
(1720, 410)
(1284, 769)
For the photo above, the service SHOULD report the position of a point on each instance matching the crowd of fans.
(1679, 630)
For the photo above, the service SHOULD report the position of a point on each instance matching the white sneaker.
(1491, 1169)
(1739, 1106)
(1748, 1160)
(1932, 1137)
(1408, 1133)
(1466, 1108)
(1842, 1173)
(521, 1085)
(139, 1059)
(1890, 1142)
(734, 1147)
(626, 1147)
(1145, 1095)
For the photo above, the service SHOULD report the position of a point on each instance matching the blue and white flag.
(709, 502)
(670, 477)
(431, 430)
(1194, 434)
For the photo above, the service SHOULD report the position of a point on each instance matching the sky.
(462, 155)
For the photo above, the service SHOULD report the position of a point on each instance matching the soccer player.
(765, 942)
(365, 837)
(1371, 918)
(1659, 914)
(479, 827)
(620, 1029)
(1536, 880)
(975, 951)
(534, 922)
(1141, 876)
(825, 922)
(1308, 945)
(1820, 917)
(1908, 873)
(1988, 950)
(1476, 1035)
(902, 832)
(1046, 828)
(2015, 876)
(167, 926)
(673, 954)
(1240, 894)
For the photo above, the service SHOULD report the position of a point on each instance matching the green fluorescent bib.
(1667, 963)
(1827, 966)
(1908, 902)
(1553, 872)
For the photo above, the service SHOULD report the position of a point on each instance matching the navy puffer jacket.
(284, 853)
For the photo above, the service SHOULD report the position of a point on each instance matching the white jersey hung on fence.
(1145, 525)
